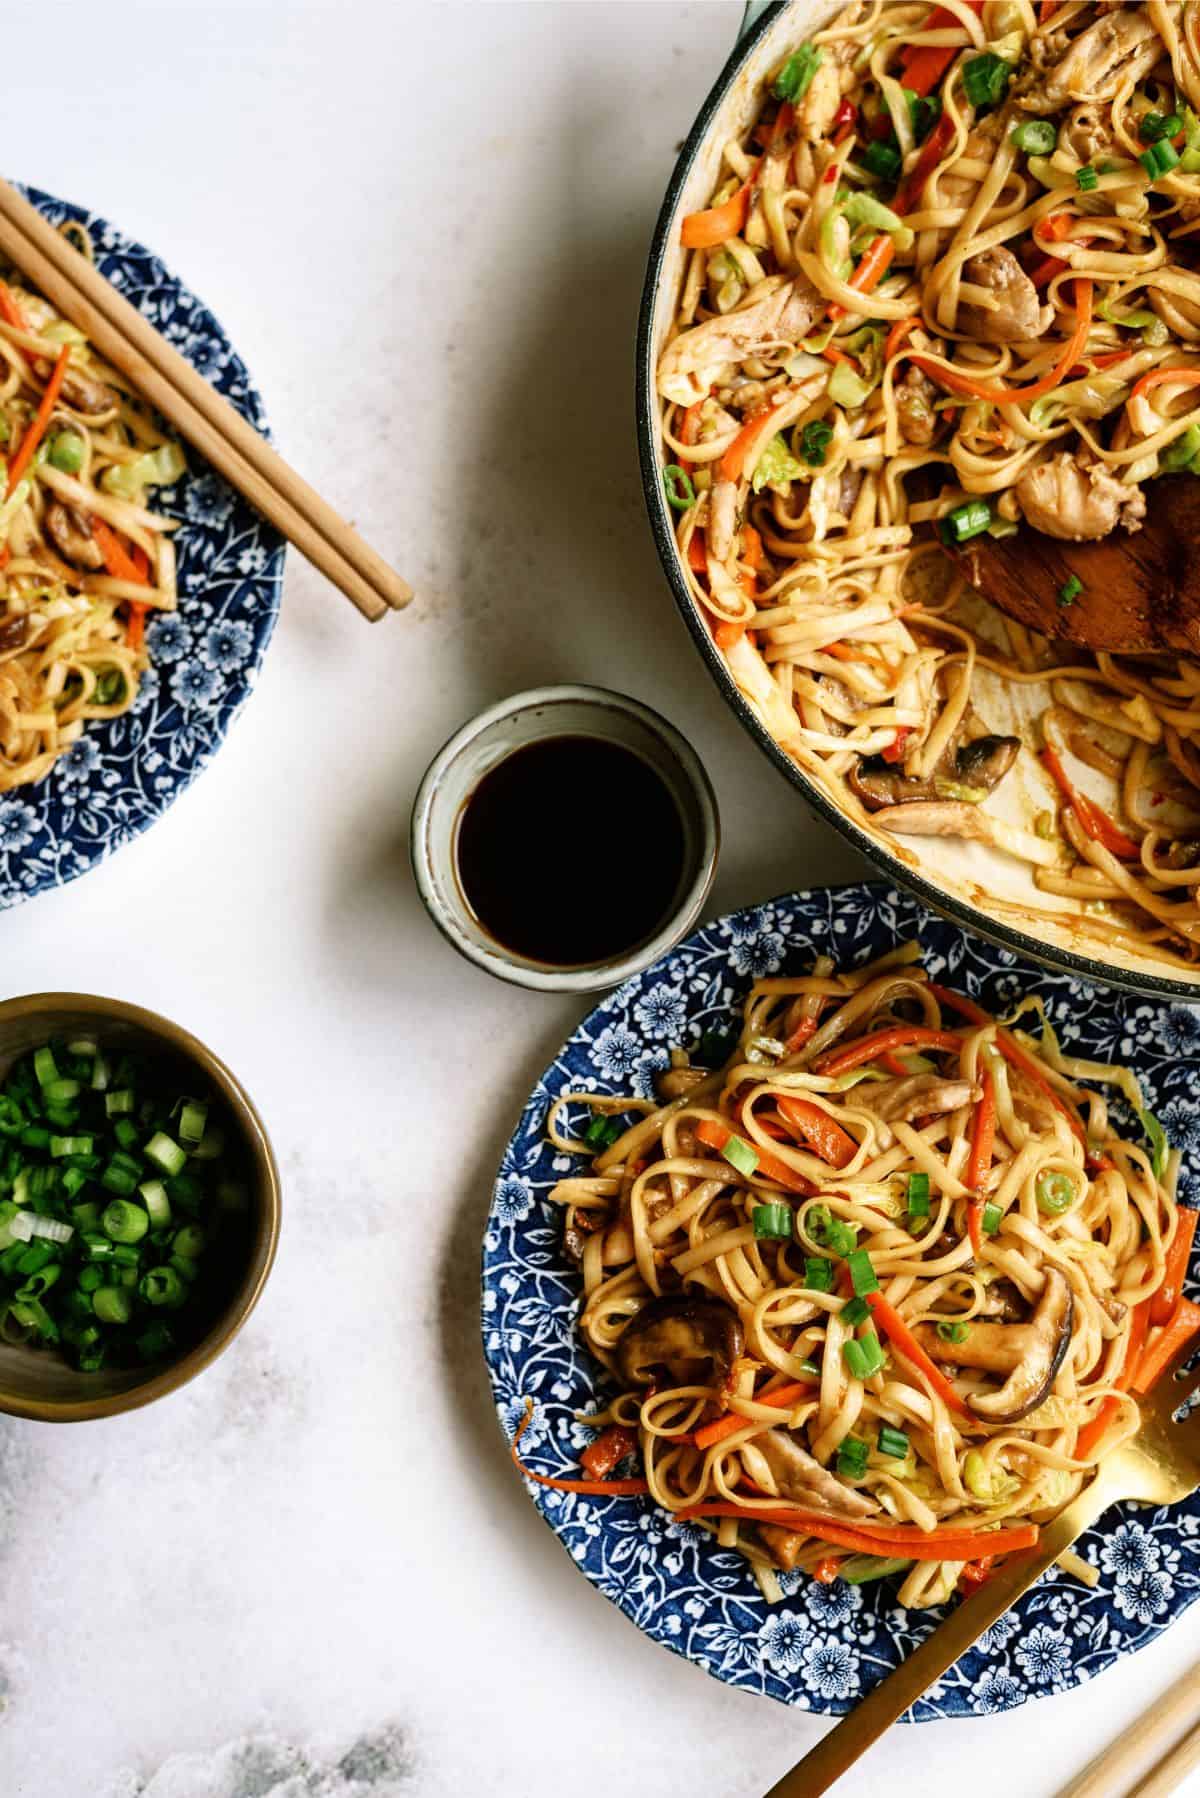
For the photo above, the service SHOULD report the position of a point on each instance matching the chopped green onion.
(124, 1222)
(126, 1132)
(882, 159)
(838, 1236)
(162, 1286)
(602, 1132)
(1182, 452)
(677, 483)
(44, 1066)
(155, 1342)
(1070, 591)
(1054, 1193)
(1159, 159)
(112, 1304)
(153, 1195)
(852, 1458)
(992, 1219)
(969, 520)
(771, 1221)
(815, 439)
(1037, 137)
(918, 1195)
(61, 1146)
(740, 1155)
(65, 452)
(116, 1103)
(165, 1153)
(892, 1442)
(795, 77)
(854, 1312)
(35, 1136)
(864, 1357)
(818, 1273)
(1086, 179)
(1153, 126)
(954, 1332)
(862, 1271)
(924, 111)
(985, 78)
(118, 1178)
(1157, 1138)
(12, 1118)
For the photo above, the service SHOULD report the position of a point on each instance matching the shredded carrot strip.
(897, 334)
(1092, 817)
(1164, 1343)
(704, 230)
(1135, 1342)
(915, 1544)
(596, 1488)
(1011, 396)
(715, 1136)
(10, 312)
(117, 559)
(895, 1036)
(784, 1397)
(41, 419)
(815, 1129)
(1166, 1300)
(870, 271)
(1186, 377)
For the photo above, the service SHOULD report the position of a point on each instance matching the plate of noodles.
(822, 1268)
(139, 590)
(926, 275)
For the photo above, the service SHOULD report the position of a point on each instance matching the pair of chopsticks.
(221, 435)
(1100, 1779)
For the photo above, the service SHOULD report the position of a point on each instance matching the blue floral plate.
(824, 1646)
(124, 772)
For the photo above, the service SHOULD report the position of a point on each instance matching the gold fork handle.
(837, 1751)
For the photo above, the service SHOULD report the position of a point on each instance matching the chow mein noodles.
(947, 283)
(82, 558)
(878, 1293)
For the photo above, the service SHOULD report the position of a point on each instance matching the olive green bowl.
(38, 1382)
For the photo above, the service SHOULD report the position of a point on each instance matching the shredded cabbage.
(865, 209)
(157, 468)
(776, 466)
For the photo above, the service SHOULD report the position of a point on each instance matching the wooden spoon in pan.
(1140, 591)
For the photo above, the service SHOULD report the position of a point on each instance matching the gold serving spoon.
(1158, 1466)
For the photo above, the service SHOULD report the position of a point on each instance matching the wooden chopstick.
(123, 337)
(1102, 1777)
(1168, 1775)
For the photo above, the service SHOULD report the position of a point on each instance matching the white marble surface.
(311, 1572)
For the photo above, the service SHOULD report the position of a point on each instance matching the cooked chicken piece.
(685, 370)
(1088, 133)
(914, 1096)
(85, 394)
(722, 518)
(1010, 312)
(814, 115)
(71, 533)
(799, 1477)
(1078, 504)
(1122, 45)
(914, 402)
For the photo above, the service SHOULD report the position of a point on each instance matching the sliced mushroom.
(13, 632)
(1030, 1353)
(1002, 1300)
(980, 766)
(697, 1341)
(71, 533)
(799, 1477)
(85, 394)
(784, 1545)
(1004, 305)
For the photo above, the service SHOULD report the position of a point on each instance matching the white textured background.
(311, 1572)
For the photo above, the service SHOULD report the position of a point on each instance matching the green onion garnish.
(882, 159)
(773, 1220)
(677, 483)
(815, 439)
(854, 1312)
(839, 1236)
(1070, 591)
(918, 1195)
(852, 1458)
(165, 1153)
(795, 77)
(44, 1066)
(969, 520)
(1156, 1136)
(1054, 1194)
(864, 1357)
(601, 1133)
(1154, 126)
(862, 1271)
(1037, 137)
(818, 1273)
(1182, 452)
(892, 1442)
(1159, 159)
(954, 1332)
(740, 1155)
(985, 78)
(860, 1569)
(992, 1219)
(1086, 179)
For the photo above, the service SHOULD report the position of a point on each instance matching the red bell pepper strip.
(1164, 1343)
(932, 151)
(895, 749)
(607, 1451)
(816, 1130)
(1166, 1300)
(925, 64)
(1094, 820)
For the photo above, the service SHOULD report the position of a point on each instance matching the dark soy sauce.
(570, 851)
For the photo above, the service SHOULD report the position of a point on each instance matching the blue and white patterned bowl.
(824, 1646)
(124, 772)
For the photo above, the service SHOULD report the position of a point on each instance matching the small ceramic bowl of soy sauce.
(565, 838)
